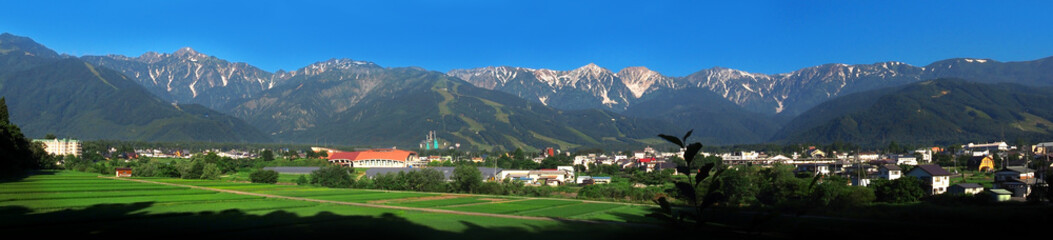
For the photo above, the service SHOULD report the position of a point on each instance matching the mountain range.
(48, 93)
(942, 111)
(786, 94)
(353, 102)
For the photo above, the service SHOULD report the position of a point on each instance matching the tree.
(737, 185)
(50, 136)
(263, 176)
(901, 190)
(425, 180)
(302, 180)
(334, 176)
(211, 171)
(191, 169)
(267, 155)
(17, 153)
(466, 178)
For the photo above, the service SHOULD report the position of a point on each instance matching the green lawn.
(973, 177)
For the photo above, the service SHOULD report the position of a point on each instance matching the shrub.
(264, 176)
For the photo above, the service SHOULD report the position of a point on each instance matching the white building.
(926, 155)
(890, 172)
(61, 147)
(906, 159)
(933, 177)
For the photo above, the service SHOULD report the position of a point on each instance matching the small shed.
(966, 188)
(601, 180)
(1001, 195)
(124, 172)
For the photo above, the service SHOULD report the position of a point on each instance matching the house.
(124, 172)
(932, 177)
(601, 180)
(868, 156)
(1042, 148)
(859, 181)
(1001, 195)
(925, 153)
(778, 159)
(1017, 180)
(1021, 173)
(995, 146)
(815, 153)
(816, 168)
(965, 188)
(550, 177)
(905, 159)
(890, 172)
(665, 165)
(981, 163)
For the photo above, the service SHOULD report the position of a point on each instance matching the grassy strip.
(440, 203)
(567, 211)
(513, 207)
(625, 213)
(366, 197)
(122, 187)
(102, 213)
(100, 194)
(84, 202)
(312, 192)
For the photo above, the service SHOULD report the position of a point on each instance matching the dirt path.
(386, 206)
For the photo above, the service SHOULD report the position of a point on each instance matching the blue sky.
(676, 38)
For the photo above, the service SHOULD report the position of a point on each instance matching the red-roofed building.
(374, 158)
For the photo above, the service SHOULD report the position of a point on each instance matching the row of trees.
(17, 153)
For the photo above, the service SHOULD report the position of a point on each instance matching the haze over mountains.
(353, 102)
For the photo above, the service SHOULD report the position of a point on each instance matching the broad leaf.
(703, 173)
(687, 135)
(672, 139)
(692, 150)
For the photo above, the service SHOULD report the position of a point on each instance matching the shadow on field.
(20, 177)
(117, 220)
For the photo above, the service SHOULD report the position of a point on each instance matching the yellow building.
(61, 147)
(981, 163)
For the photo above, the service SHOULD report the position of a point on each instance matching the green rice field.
(87, 204)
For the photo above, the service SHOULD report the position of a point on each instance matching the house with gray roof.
(933, 177)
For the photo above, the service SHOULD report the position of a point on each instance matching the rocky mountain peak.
(189, 53)
(639, 79)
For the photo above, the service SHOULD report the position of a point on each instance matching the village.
(1005, 172)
